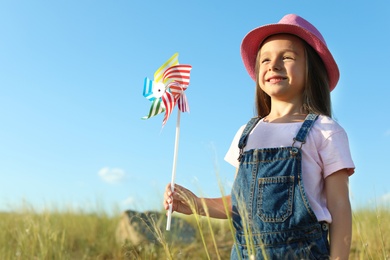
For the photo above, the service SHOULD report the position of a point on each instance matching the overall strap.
(305, 128)
(244, 137)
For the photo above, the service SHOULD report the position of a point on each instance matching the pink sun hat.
(295, 25)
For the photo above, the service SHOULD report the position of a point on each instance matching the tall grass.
(371, 234)
(73, 234)
(27, 234)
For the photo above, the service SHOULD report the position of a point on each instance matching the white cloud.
(385, 199)
(130, 201)
(111, 175)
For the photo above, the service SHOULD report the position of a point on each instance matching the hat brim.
(252, 41)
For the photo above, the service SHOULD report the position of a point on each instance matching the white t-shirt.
(326, 151)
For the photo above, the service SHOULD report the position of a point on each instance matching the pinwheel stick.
(169, 219)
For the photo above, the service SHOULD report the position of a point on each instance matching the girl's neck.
(286, 115)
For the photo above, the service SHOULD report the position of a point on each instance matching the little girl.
(293, 160)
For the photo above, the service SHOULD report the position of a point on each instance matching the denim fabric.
(271, 213)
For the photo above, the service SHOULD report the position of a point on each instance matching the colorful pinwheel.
(167, 88)
(165, 91)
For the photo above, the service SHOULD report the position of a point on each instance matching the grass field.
(27, 234)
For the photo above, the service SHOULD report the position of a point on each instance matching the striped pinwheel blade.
(148, 89)
(172, 61)
(156, 108)
(178, 73)
(169, 102)
(182, 103)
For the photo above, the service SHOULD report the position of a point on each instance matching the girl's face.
(282, 67)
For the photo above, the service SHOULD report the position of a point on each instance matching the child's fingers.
(168, 190)
(180, 199)
(170, 197)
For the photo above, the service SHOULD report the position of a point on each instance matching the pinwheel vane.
(167, 88)
(165, 91)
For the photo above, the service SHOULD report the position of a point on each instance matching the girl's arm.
(217, 207)
(186, 202)
(340, 232)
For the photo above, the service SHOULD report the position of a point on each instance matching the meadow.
(74, 234)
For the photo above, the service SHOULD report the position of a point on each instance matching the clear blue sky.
(71, 81)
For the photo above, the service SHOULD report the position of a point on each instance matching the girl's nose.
(274, 66)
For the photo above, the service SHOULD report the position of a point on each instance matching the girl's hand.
(182, 200)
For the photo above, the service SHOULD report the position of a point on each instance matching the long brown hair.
(316, 94)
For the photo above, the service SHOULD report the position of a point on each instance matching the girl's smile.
(276, 79)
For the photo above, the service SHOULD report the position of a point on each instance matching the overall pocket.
(275, 199)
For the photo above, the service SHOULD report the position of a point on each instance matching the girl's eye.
(264, 60)
(288, 58)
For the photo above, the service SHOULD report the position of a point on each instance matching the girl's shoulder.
(328, 122)
(327, 126)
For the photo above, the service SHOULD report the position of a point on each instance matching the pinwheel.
(165, 91)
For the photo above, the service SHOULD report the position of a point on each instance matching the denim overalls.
(271, 213)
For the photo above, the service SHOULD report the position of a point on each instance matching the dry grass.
(57, 235)
(371, 232)
(27, 234)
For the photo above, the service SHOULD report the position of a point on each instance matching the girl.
(291, 184)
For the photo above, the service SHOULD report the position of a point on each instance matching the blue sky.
(71, 81)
